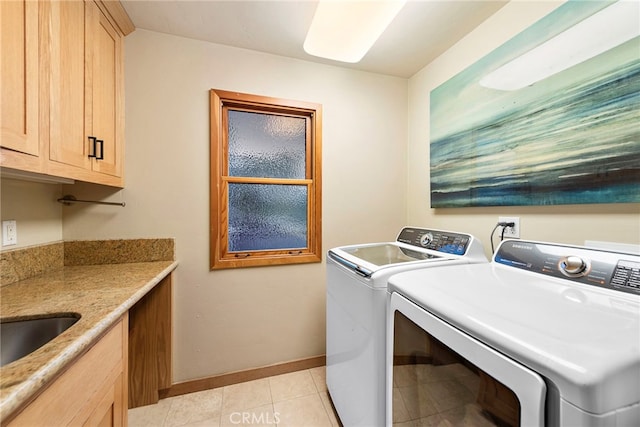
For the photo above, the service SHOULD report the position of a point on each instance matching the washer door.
(436, 373)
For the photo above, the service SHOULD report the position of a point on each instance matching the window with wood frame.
(266, 182)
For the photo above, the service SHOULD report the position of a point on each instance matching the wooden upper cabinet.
(107, 107)
(86, 125)
(19, 79)
(68, 123)
(71, 54)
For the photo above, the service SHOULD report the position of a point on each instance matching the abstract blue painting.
(572, 138)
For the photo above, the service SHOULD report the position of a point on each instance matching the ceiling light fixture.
(602, 31)
(345, 30)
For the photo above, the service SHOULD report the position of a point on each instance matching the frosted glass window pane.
(266, 145)
(263, 217)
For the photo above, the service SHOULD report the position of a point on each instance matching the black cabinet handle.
(94, 142)
(101, 156)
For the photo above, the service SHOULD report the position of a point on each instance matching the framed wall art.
(503, 135)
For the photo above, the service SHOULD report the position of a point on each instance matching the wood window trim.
(220, 257)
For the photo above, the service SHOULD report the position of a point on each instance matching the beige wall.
(34, 207)
(572, 224)
(244, 318)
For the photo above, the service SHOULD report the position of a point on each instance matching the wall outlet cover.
(511, 232)
(9, 233)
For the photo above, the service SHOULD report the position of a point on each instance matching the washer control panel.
(612, 270)
(436, 240)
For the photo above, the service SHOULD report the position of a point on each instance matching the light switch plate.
(9, 233)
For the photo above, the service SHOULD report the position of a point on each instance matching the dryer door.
(438, 374)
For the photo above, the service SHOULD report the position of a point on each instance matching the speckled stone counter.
(100, 294)
(89, 252)
(23, 263)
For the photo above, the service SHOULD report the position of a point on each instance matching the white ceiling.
(422, 31)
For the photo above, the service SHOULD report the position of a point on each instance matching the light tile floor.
(297, 399)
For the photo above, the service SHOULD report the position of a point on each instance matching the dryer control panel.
(436, 240)
(611, 270)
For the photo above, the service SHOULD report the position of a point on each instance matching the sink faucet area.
(20, 337)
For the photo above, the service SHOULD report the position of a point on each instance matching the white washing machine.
(544, 335)
(356, 312)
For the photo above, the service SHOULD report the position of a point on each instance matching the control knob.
(573, 266)
(426, 239)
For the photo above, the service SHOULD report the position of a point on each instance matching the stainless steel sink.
(21, 337)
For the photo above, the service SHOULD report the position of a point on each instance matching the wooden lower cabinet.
(126, 368)
(150, 345)
(91, 392)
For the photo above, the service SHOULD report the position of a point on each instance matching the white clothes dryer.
(544, 335)
(357, 278)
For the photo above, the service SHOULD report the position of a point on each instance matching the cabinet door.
(92, 391)
(110, 409)
(69, 124)
(19, 76)
(106, 97)
(86, 93)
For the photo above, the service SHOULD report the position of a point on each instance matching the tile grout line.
(273, 408)
(329, 410)
(221, 407)
(166, 415)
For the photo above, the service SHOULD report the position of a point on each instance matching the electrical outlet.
(9, 233)
(511, 232)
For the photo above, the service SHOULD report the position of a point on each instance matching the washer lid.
(378, 261)
(387, 253)
(585, 340)
(413, 244)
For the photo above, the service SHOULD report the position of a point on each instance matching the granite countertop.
(100, 294)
